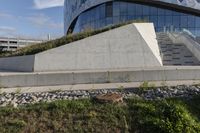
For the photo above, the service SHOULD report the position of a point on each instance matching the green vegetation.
(164, 116)
(18, 90)
(37, 48)
(146, 85)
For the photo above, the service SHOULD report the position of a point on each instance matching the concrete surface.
(190, 43)
(129, 46)
(124, 47)
(99, 77)
(20, 63)
(95, 86)
(175, 52)
(147, 32)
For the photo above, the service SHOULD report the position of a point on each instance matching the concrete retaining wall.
(20, 63)
(95, 77)
(124, 47)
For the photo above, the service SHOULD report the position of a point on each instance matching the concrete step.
(175, 54)
(38, 79)
(92, 87)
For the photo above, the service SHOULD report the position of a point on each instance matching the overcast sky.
(31, 18)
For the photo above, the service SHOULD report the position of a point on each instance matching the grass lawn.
(167, 116)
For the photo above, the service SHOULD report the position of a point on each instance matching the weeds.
(120, 88)
(176, 115)
(146, 85)
(18, 91)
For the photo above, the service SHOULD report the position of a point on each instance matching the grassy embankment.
(37, 48)
(165, 116)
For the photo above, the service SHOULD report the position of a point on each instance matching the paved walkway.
(94, 86)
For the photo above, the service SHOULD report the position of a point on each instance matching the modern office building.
(167, 15)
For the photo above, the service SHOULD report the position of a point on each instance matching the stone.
(109, 98)
(103, 95)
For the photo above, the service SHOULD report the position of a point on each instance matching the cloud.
(43, 21)
(5, 15)
(42, 4)
(7, 29)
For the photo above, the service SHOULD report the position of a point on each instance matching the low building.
(12, 44)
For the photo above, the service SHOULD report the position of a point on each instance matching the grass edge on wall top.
(40, 47)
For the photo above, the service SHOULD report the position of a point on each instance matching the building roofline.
(165, 5)
(19, 39)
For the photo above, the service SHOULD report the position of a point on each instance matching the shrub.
(162, 116)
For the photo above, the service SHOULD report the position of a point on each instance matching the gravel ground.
(16, 99)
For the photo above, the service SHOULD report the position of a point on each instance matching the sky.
(31, 18)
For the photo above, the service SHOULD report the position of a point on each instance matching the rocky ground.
(16, 99)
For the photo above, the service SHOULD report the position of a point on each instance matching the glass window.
(161, 11)
(109, 9)
(139, 9)
(97, 24)
(168, 12)
(116, 20)
(109, 21)
(154, 11)
(118, 12)
(91, 26)
(146, 10)
(102, 11)
(197, 31)
(131, 9)
(161, 21)
(146, 18)
(97, 14)
(92, 14)
(184, 21)
(154, 19)
(116, 9)
(191, 21)
(131, 17)
(123, 8)
(123, 19)
(176, 13)
(197, 21)
(102, 23)
(87, 16)
(168, 20)
(176, 21)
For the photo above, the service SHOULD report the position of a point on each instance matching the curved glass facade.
(107, 12)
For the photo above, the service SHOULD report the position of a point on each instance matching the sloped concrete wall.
(20, 63)
(148, 33)
(130, 46)
(124, 47)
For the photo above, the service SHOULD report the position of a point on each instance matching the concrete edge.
(91, 87)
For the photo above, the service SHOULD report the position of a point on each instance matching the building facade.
(167, 15)
(12, 44)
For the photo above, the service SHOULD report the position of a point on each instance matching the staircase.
(198, 39)
(175, 54)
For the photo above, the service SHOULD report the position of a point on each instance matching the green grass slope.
(37, 48)
(85, 116)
